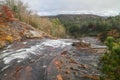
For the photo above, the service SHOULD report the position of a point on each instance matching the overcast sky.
(53, 7)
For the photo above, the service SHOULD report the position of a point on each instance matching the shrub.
(111, 60)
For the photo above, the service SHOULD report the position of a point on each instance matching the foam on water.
(56, 43)
(22, 54)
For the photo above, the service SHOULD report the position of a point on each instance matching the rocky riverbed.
(46, 59)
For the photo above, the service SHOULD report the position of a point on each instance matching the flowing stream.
(34, 59)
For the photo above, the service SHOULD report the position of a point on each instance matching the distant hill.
(77, 18)
(77, 15)
(73, 22)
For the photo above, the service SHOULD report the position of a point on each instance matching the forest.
(90, 25)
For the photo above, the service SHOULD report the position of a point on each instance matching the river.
(46, 59)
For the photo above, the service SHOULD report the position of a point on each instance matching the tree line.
(91, 25)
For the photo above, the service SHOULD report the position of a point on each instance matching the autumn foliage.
(8, 14)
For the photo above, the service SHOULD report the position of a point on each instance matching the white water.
(9, 55)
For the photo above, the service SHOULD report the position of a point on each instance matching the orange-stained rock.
(28, 68)
(58, 64)
(16, 73)
(59, 77)
(63, 53)
(0, 13)
(92, 77)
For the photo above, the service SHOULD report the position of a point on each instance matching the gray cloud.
(60, 6)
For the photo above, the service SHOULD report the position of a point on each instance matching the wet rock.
(80, 45)
(64, 53)
(84, 66)
(92, 77)
(67, 71)
(48, 60)
(73, 61)
(17, 71)
(94, 64)
(74, 69)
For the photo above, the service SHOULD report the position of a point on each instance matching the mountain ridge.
(73, 15)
